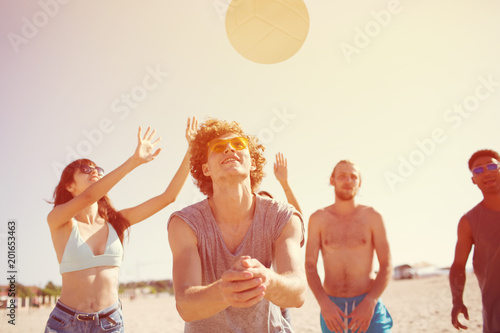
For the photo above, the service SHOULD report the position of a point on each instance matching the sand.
(419, 305)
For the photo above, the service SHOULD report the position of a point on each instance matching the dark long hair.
(105, 208)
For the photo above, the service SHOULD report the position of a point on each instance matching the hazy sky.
(407, 89)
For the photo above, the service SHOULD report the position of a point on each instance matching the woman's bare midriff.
(91, 289)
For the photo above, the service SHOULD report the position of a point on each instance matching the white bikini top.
(78, 255)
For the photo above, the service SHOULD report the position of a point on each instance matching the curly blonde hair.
(210, 130)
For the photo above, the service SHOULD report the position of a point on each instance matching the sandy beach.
(419, 305)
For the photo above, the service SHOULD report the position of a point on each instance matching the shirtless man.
(348, 235)
(480, 227)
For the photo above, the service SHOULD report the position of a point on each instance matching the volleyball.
(267, 31)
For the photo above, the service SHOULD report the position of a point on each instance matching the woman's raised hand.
(280, 168)
(192, 129)
(144, 151)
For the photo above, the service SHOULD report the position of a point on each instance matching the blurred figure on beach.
(348, 235)
(87, 234)
(281, 174)
(223, 247)
(480, 227)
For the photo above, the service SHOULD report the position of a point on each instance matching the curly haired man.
(236, 255)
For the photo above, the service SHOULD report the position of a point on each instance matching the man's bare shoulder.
(371, 215)
(320, 218)
(322, 213)
(369, 211)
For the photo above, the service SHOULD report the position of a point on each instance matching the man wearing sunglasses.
(480, 227)
(236, 255)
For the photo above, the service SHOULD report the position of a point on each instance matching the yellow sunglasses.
(218, 146)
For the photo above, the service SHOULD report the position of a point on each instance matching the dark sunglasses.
(480, 170)
(88, 169)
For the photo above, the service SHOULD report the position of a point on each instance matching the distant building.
(404, 272)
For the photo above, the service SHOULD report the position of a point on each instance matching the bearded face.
(345, 194)
(346, 180)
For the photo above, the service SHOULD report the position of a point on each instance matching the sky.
(406, 89)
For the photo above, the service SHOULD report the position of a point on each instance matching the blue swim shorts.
(381, 321)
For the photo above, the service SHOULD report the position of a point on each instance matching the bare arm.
(457, 272)
(285, 287)
(313, 246)
(332, 315)
(61, 214)
(383, 252)
(363, 313)
(281, 173)
(195, 301)
(152, 206)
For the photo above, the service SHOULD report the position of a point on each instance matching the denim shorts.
(381, 321)
(62, 322)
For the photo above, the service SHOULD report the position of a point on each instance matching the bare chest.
(233, 236)
(346, 233)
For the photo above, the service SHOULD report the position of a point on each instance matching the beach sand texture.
(419, 305)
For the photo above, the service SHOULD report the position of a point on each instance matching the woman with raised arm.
(281, 174)
(87, 234)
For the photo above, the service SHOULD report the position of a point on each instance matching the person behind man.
(480, 227)
(348, 235)
(223, 246)
(281, 174)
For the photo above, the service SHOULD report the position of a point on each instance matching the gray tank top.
(269, 219)
(485, 227)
